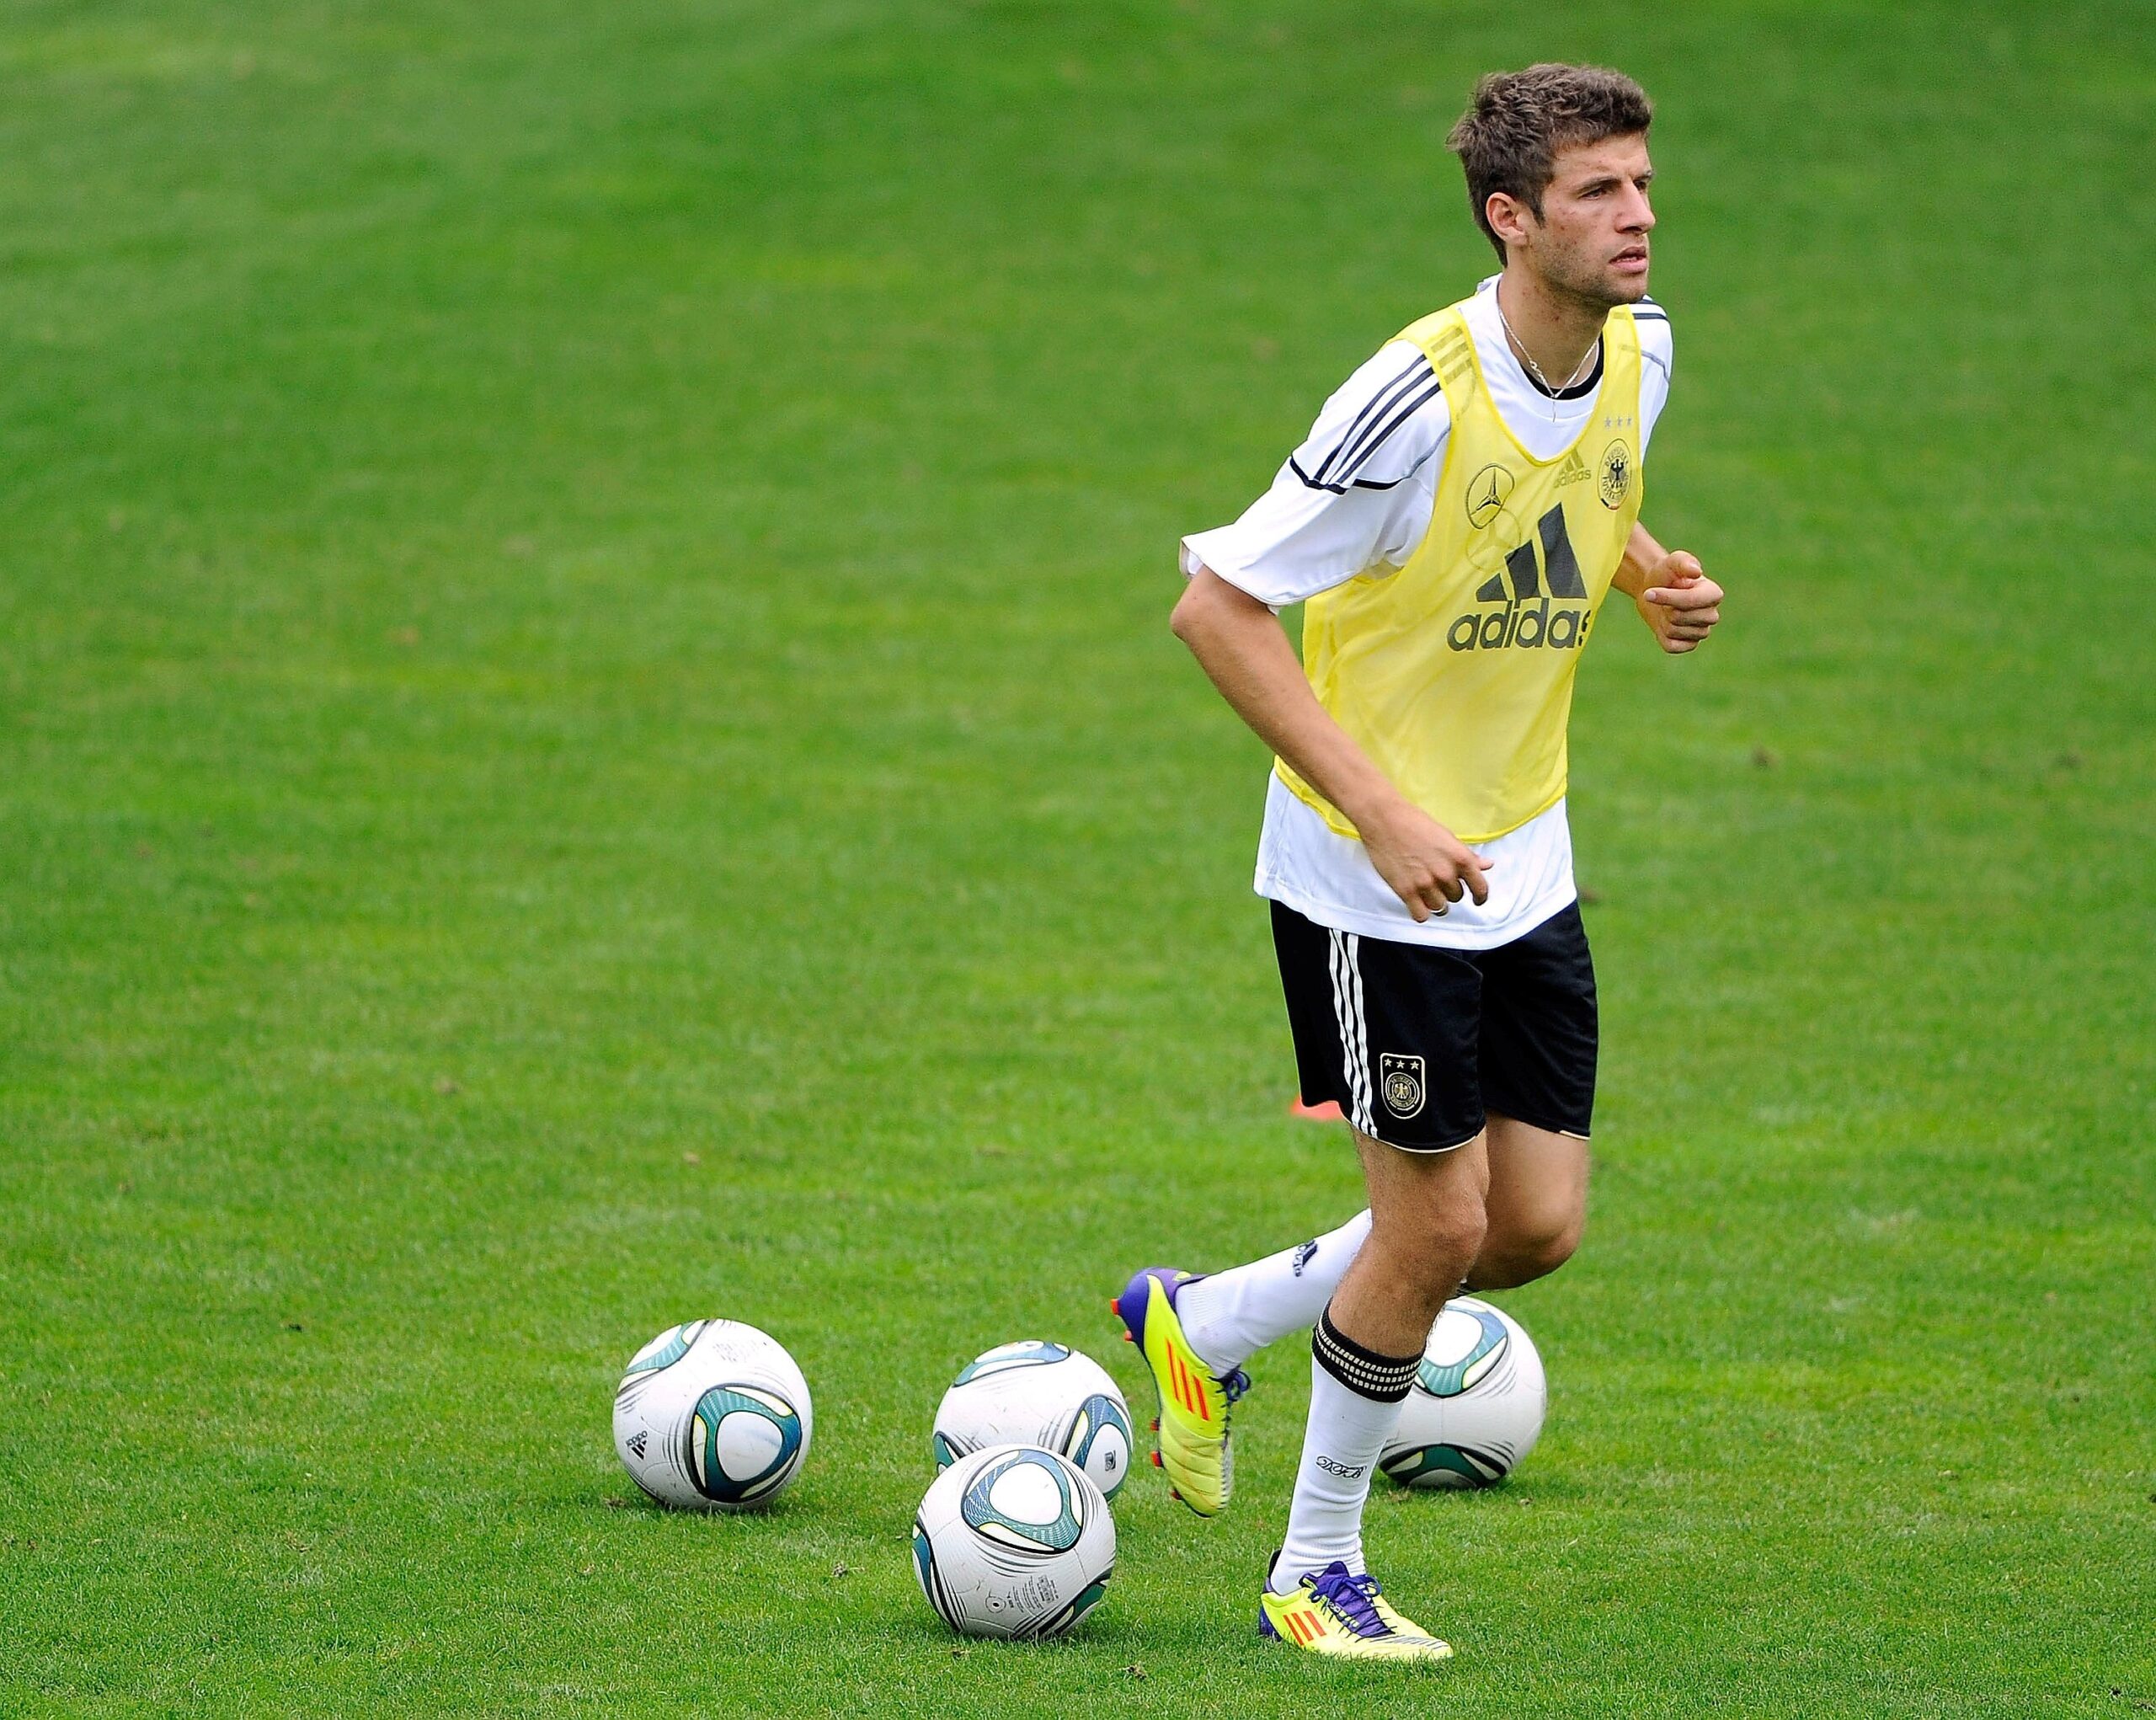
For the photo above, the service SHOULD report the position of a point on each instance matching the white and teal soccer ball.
(1037, 1393)
(1475, 1408)
(1013, 1541)
(713, 1416)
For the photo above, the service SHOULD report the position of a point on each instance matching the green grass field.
(588, 737)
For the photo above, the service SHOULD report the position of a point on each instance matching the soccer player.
(1455, 520)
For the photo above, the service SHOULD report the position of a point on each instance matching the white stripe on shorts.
(1354, 1043)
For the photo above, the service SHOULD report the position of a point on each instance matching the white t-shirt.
(1356, 498)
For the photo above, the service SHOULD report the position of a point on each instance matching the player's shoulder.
(1379, 427)
(1652, 319)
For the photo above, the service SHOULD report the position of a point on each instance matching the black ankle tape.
(1383, 1379)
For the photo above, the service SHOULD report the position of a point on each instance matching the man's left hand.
(1680, 603)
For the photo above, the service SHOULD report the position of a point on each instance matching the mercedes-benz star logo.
(1485, 495)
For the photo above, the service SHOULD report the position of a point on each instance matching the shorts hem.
(1426, 1152)
(1545, 1122)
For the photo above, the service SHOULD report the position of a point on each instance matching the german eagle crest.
(1400, 1078)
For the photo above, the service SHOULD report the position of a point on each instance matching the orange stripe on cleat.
(1193, 1397)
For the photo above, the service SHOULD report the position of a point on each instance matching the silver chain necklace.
(1527, 358)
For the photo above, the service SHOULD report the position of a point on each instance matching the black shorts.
(1415, 1044)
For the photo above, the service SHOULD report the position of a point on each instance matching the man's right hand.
(1426, 865)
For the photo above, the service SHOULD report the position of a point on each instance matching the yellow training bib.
(1455, 673)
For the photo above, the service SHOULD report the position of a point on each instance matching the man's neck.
(1554, 329)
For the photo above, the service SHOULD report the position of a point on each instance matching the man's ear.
(1507, 216)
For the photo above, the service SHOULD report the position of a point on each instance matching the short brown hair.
(1516, 121)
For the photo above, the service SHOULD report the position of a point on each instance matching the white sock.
(1355, 1398)
(1231, 1316)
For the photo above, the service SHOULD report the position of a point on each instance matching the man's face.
(1592, 240)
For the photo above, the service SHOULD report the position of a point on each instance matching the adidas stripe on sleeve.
(1363, 453)
(1355, 496)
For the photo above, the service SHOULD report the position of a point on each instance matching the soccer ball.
(1475, 1408)
(713, 1416)
(1036, 1393)
(1013, 1541)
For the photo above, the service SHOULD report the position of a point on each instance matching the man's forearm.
(1643, 555)
(1243, 649)
(1238, 643)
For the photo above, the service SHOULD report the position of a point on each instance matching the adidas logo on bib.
(1541, 570)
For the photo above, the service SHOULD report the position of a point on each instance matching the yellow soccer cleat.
(1335, 1613)
(1193, 1425)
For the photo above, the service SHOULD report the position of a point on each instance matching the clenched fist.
(1680, 603)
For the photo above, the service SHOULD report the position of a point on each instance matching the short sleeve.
(1656, 356)
(1355, 497)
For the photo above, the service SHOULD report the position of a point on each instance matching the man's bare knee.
(1519, 1255)
(1432, 1246)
